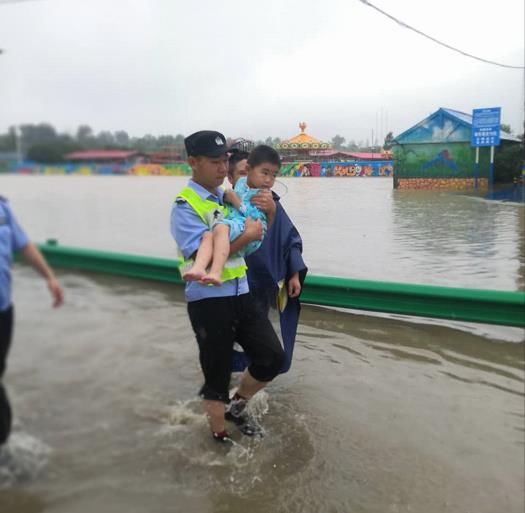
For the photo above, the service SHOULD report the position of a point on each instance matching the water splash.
(249, 465)
(22, 459)
(182, 415)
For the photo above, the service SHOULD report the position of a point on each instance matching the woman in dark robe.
(276, 271)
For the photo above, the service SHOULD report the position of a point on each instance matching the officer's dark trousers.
(6, 331)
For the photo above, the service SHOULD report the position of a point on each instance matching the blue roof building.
(436, 153)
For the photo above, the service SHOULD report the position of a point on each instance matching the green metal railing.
(483, 306)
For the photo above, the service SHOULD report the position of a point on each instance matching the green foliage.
(42, 133)
(338, 142)
(42, 143)
(85, 135)
(353, 146)
(508, 161)
(8, 141)
(269, 141)
(388, 141)
(44, 153)
(146, 143)
(52, 152)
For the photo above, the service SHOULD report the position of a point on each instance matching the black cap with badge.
(206, 143)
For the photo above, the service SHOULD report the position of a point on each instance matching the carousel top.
(303, 141)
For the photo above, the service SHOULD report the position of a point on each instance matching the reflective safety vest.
(211, 212)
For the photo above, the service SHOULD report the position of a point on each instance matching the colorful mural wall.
(328, 169)
(355, 168)
(446, 160)
(178, 169)
(446, 166)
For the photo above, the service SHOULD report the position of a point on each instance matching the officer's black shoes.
(247, 424)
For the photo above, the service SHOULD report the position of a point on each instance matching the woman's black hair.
(235, 157)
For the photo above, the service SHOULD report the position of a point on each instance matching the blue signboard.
(485, 127)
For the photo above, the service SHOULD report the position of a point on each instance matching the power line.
(404, 25)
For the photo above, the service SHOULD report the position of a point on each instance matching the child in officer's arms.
(262, 168)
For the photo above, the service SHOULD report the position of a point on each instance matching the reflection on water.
(460, 237)
(438, 339)
(377, 414)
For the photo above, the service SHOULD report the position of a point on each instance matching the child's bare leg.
(221, 251)
(202, 259)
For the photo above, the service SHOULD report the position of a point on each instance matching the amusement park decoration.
(301, 146)
(240, 144)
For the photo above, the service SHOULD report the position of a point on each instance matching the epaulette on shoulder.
(3, 198)
(180, 201)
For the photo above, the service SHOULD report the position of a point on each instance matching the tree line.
(43, 143)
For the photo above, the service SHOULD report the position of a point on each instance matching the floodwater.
(378, 413)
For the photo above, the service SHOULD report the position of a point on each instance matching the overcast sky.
(255, 68)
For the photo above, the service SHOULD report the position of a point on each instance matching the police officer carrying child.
(224, 314)
(14, 239)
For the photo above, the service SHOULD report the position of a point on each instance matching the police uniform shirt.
(187, 229)
(12, 238)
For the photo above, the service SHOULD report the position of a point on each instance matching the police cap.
(206, 143)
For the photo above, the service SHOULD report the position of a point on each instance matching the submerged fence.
(483, 306)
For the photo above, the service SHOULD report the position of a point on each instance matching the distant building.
(106, 157)
(167, 155)
(340, 155)
(436, 153)
(301, 147)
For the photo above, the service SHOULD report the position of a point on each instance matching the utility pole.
(18, 140)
